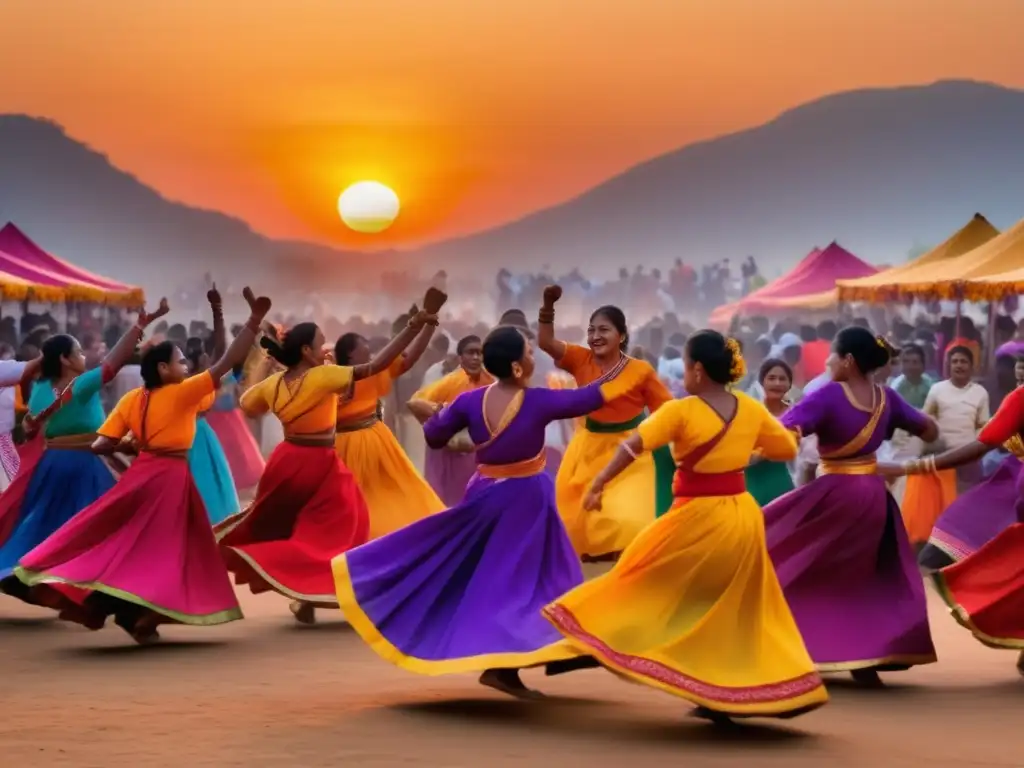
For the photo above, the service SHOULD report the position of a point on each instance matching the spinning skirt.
(212, 475)
(147, 542)
(693, 608)
(463, 590)
(240, 447)
(308, 509)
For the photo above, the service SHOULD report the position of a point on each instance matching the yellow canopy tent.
(886, 286)
(995, 287)
(950, 279)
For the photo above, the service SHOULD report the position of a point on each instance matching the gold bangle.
(912, 467)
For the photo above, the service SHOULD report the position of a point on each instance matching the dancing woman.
(985, 589)
(462, 590)
(145, 548)
(395, 493)
(767, 480)
(838, 543)
(308, 507)
(633, 499)
(66, 476)
(206, 458)
(449, 469)
(14, 376)
(693, 606)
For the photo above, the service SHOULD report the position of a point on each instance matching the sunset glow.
(368, 207)
(475, 113)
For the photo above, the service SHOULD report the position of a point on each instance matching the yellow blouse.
(307, 405)
(170, 414)
(367, 392)
(448, 387)
(640, 383)
(689, 423)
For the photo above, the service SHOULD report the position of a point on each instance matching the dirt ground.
(265, 692)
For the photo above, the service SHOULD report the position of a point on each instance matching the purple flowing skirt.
(448, 473)
(463, 590)
(976, 517)
(849, 574)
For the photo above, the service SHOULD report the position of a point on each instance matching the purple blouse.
(523, 438)
(829, 414)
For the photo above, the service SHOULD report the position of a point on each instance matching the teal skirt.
(212, 474)
(767, 480)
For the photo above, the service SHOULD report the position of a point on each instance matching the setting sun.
(368, 207)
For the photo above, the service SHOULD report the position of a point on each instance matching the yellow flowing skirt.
(693, 607)
(396, 494)
(628, 502)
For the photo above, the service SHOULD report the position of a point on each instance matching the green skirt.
(767, 480)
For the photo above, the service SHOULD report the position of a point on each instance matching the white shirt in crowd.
(960, 412)
(10, 375)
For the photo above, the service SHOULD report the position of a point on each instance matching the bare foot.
(867, 677)
(304, 613)
(718, 718)
(146, 636)
(507, 681)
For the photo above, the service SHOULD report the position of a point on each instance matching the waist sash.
(862, 465)
(165, 453)
(693, 485)
(311, 441)
(525, 468)
(608, 428)
(357, 425)
(82, 442)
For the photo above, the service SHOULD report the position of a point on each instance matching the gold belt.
(81, 442)
(311, 441)
(862, 465)
(357, 425)
(525, 468)
(165, 453)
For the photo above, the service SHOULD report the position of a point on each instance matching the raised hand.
(552, 294)
(213, 296)
(145, 318)
(259, 306)
(434, 300)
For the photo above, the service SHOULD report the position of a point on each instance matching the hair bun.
(738, 367)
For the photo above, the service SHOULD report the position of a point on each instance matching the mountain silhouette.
(879, 170)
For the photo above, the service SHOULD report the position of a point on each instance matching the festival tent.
(971, 275)
(810, 285)
(885, 286)
(27, 271)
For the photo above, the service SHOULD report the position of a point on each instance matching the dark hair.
(194, 349)
(671, 353)
(914, 349)
(617, 318)
(868, 351)
(345, 347)
(769, 364)
(710, 350)
(288, 352)
(959, 349)
(152, 359)
(827, 330)
(808, 333)
(54, 348)
(1018, 360)
(514, 317)
(502, 347)
(464, 342)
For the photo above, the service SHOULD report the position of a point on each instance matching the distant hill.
(880, 170)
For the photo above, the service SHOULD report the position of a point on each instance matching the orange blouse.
(170, 414)
(368, 392)
(307, 405)
(448, 387)
(643, 388)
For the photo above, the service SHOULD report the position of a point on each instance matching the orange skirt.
(926, 497)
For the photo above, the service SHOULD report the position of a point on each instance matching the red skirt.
(308, 510)
(240, 447)
(985, 591)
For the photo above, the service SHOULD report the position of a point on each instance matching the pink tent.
(53, 279)
(811, 284)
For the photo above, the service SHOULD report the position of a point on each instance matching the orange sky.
(475, 111)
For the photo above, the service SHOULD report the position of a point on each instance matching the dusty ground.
(263, 692)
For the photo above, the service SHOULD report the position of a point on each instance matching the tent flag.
(885, 286)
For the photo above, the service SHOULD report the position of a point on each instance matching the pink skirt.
(146, 542)
(240, 447)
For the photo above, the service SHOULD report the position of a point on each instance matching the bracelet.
(140, 328)
(928, 465)
(625, 446)
(912, 467)
(546, 316)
